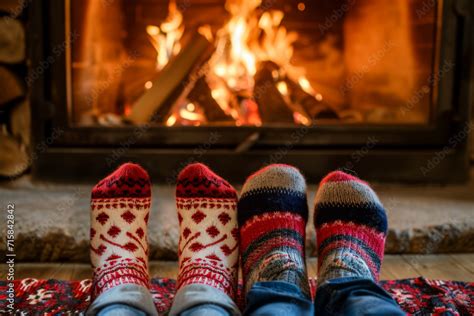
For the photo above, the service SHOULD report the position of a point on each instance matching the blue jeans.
(343, 296)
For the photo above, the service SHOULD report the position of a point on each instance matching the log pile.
(15, 118)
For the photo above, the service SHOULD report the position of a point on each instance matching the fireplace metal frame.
(64, 152)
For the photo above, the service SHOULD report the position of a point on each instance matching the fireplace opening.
(378, 87)
(253, 62)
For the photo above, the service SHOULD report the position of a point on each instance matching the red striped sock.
(272, 212)
(351, 226)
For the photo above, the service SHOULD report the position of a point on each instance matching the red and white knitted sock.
(208, 245)
(120, 208)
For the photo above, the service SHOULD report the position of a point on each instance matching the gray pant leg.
(198, 299)
(128, 294)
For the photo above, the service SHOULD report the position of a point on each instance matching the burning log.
(173, 82)
(315, 109)
(272, 105)
(202, 96)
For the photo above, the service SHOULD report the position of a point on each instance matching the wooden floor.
(458, 267)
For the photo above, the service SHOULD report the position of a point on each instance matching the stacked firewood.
(15, 120)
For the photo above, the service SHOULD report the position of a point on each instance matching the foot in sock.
(120, 208)
(351, 226)
(208, 245)
(272, 212)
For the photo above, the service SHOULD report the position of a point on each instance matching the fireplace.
(380, 88)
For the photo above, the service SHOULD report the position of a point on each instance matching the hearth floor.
(458, 267)
(52, 220)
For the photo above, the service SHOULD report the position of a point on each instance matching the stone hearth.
(52, 221)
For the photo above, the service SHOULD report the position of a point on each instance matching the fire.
(165, 38)
(187, 114)
(251, 36)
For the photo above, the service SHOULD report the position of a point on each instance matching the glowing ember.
(148, 85)
(171, 120)
(282, 87)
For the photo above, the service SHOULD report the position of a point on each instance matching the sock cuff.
(268, 200)
(208, 275)
(113, 273)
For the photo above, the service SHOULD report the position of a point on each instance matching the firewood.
(13, 157)
(12, 41)
(20, 122)
(173, 82)
(11, 87)
(201, 95)
(272, 106)
(315, 109)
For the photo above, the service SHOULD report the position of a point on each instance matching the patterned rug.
(53, 297)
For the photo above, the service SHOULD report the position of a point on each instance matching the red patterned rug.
(53, 297)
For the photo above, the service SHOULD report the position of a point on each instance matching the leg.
(272, 213)
(208, 246)
(351, 227)
(120, 309)
(119, 247)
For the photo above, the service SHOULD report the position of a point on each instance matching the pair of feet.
(267, 223)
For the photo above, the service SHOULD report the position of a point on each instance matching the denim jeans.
(343, 296)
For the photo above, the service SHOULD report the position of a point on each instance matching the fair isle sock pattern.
(208, 245)
(351, 227)
(273, 212)
(120, 206)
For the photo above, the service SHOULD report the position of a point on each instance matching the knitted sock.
(351, 226)
(208, 244)
(272, 213)
(119, 215)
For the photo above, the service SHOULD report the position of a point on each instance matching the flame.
(305, 85)
(282, 87)
(301, 119)
(250, 37)
(171, 120)
(235, 62)
(221, 95)
(187, 114)
(165, 38)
